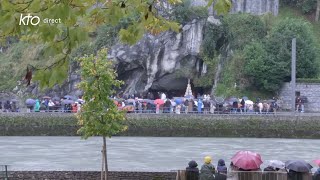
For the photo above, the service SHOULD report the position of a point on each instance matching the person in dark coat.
(0, 106)
(207, 169)
(316, 175)
(222, 171)
(243, 103)
(235, 107)
(293, 175)
(269, 168)
(269, 173)
(150, 96)
(192, 172)
(7, 106)
(149, 107)
(221, 166)
(166, 106)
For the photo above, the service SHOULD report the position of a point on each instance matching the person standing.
(178, 108)
(200, 106)
(37, 106)
(186, 106)
(243, 106)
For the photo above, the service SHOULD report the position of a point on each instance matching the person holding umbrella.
(247, 161)
(297, 169)
(316, 175)
(272, 168)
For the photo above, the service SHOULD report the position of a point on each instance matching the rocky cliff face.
(154, 62)
(256, 6)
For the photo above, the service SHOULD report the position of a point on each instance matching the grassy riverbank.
(269, 126)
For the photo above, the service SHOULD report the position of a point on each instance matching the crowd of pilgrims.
(204, 104)
(160, 103)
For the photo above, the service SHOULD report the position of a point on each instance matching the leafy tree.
(306, 6)
(79, 18)
(99, 115)
(268, 63)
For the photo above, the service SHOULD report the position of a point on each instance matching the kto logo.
(25, 20)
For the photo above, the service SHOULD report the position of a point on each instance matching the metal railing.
(4, 172)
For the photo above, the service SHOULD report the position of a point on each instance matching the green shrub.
(302, 80)
(241, 29)
(184, 13)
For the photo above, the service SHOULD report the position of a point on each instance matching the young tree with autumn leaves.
(99, 115)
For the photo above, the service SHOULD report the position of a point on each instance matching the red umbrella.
(159, 101)
(247, 160)
(317, 161)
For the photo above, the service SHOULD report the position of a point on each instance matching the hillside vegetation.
(258, 65)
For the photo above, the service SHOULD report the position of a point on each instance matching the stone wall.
(257, 7)
(310, 90)
(302, 125)
(89, 175)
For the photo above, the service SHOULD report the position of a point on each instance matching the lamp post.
(293, 75)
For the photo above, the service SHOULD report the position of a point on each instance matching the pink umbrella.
(247, 160)
(317, 161)
(159, 101)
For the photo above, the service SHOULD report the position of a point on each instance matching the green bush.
(241, 29)
(184, 13)
(302, 80)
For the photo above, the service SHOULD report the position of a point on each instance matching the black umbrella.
(298, 166)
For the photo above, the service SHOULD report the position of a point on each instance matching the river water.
(142, 153)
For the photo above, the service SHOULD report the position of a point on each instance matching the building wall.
(310, 90)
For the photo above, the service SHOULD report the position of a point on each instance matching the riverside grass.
(169, 125)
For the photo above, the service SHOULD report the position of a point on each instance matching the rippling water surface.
(142, 153)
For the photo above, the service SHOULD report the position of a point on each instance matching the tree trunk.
(318, 11)
(102, 166)
(104, 156)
